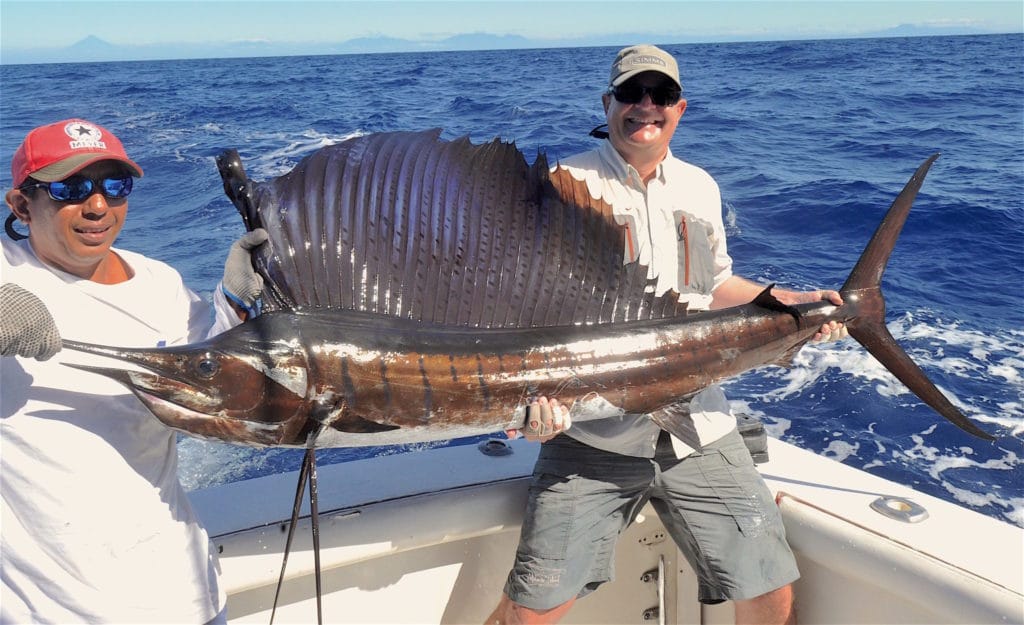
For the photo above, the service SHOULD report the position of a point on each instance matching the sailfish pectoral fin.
(875, 337)
(353, 424)
(333, 411)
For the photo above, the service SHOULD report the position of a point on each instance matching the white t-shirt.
(674, 226)
(96, 525)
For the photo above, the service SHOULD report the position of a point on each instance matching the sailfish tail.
(863, 290)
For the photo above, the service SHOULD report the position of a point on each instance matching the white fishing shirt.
(96, 526)
(674, 226)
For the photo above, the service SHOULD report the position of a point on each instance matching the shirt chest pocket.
(696, 254)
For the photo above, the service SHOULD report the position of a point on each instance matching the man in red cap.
(92, 504)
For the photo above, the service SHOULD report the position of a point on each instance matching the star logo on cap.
(81, 131)
(84, 136)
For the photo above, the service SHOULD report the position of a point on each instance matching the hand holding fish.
(241, 284)
(831, 331)
(26, 327)
(545, 419)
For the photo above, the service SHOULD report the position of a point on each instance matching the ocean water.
(810, 142)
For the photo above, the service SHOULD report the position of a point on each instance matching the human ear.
(18, 204)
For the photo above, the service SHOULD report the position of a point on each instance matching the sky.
(43, 24)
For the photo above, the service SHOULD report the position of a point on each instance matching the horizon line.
(265, 49)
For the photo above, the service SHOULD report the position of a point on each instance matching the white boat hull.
(429, 536)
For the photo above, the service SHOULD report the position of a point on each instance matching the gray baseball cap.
(643, 58)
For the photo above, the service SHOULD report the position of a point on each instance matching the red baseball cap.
(54, 152)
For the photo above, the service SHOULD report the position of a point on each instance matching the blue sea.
(810, 142)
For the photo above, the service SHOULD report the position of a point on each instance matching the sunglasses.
(78, 188)
(631, 93)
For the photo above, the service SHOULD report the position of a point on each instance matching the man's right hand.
(27, 328)
(545, 419)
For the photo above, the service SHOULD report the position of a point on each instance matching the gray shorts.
(714, 504)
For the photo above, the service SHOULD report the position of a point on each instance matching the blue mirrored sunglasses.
(77, 188)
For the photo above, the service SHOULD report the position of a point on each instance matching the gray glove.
(26, 327)
(241, 284)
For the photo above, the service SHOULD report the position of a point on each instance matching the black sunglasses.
(78, 188)
(632, 93)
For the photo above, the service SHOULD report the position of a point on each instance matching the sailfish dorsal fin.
(409, 225)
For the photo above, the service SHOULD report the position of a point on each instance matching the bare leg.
(510, 613)
(771, 608)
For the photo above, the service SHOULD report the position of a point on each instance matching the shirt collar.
(623, 170)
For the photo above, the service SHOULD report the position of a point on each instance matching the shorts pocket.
(548, 521)
(741, 490)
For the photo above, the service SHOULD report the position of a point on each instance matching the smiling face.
(641, 132)
(76, 236)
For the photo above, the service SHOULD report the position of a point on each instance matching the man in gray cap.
(590, 481)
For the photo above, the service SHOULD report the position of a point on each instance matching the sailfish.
(421, 289)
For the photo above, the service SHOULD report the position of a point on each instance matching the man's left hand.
(545, 419)
(831, 331)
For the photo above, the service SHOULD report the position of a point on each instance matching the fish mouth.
(155, 389)
(206, 408)
(185, 407)
(159, 378)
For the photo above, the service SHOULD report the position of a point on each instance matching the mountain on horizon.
(91, 43)
(95, 49)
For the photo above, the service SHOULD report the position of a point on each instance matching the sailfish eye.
(206, 366)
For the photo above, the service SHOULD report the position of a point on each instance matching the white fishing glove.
(241, 284)
(26, 327)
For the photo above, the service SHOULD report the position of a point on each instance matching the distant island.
(94, 49)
